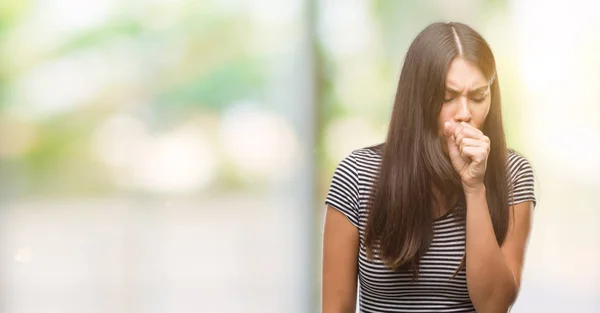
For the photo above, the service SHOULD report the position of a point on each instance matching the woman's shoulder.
(367, 156)
(521, 178)
(362, 160)
(517, 164)
(374, 151)
(515, 159)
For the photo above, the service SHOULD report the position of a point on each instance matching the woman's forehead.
(463, 74)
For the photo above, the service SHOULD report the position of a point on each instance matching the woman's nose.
(463, 114)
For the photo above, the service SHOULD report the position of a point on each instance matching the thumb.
(448, 129)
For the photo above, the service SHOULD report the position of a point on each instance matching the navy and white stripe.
(383, 290)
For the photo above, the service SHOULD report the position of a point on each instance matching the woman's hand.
(468, 148)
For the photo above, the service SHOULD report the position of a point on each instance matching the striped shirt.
(384, 290)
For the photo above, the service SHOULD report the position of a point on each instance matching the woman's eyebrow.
(472, 92)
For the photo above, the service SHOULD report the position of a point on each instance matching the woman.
(437, 218)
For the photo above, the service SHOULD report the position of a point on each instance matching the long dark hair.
(399, 225)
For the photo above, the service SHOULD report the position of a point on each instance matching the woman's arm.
(494, 272)
(340, 263)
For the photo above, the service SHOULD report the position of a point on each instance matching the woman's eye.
(479, 100)
(446, 100)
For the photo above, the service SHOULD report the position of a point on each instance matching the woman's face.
(467, 97)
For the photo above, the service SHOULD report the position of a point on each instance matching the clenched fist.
(468, 149)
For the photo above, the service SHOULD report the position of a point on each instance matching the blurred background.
(173, 155)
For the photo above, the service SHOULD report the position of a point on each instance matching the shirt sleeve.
(522, 181)
(343, 194)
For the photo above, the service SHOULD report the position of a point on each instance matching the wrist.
(473, 190)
